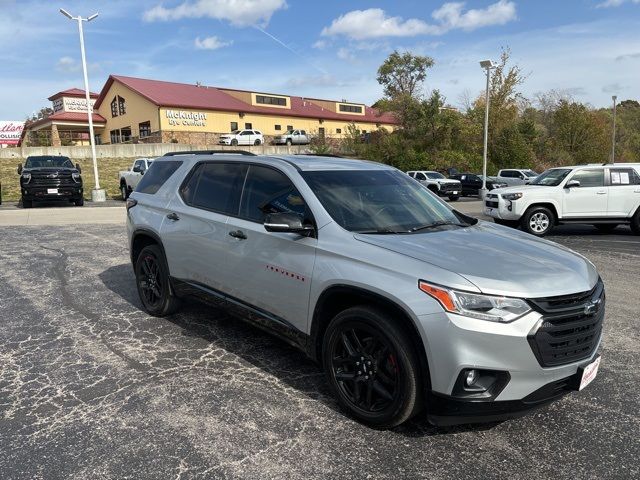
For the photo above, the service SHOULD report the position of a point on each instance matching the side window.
(139, 165)
(215, 186)
(245, 132)
(269, 191)
(589, 178)
(302, 132)
(508, 173)
(420, 176)
(622, 177)
(156, 175)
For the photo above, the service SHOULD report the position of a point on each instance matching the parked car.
(374, 277)
(292, 137)
(516, 176)
(602, 195)
(50, 178)
(438, 183)
(128, 179)
(242, 137)
(472, 183)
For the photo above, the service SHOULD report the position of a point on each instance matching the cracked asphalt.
(92, 387)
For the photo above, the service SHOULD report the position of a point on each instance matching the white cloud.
(615, 3)
(70, 65)
(320, 44)
(346, 54)
(374, 22)
(451, 15)
(241, 13)
(210, 43)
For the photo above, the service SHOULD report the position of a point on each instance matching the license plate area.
(52, 191)
(588, 373)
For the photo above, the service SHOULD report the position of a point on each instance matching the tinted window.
(156, 175)
(626, 176)
(48, 162)
(508, 174)
(268, 191)
(215, 186)
(420, 176)
(590, 178)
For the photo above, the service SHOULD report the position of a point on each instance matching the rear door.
(624, 191)
(195, 238)
(270, 271)
(590, 198)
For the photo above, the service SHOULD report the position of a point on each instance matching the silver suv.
(406, 303)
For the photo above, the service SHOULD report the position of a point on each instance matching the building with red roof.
(129, 109)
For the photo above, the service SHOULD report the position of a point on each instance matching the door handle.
(601, 192)
(173, 216)
(239, 234)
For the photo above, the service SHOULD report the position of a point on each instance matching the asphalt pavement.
(92, 387)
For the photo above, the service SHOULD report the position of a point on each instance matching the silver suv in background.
(516, 176)
(406, 303)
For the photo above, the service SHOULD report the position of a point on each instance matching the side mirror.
(20, 169)
(572, 183)
(286, 223)
(78, 168)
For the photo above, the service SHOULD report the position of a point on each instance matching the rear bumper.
(444, 410)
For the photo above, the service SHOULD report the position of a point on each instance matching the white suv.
(242, 137)
(602, 195)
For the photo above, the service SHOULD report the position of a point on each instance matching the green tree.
(402, 74)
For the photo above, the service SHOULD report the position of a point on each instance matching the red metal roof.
(72, 92)
(181, 95)
(76, 117)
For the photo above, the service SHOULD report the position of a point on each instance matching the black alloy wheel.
(152, 280)
(371, 367)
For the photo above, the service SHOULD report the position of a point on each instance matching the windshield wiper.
(437, 224)
(380, 231)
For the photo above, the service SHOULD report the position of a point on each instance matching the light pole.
(613, 135)
(97, 194)
(488, 65)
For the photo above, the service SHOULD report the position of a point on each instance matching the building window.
(248, 126)
(145, 129)
(125, 134)
(278, 127)
(289, 127)
(115, 136)
(350, 108)
(234, 126)
(266, 100)
(121, 106)
(321, 132)
(338, 130)
(114, 107)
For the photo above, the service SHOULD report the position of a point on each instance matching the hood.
(498, 260)
(522, 188)
(50, 170)
(447, 180)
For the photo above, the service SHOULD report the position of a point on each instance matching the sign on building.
(71, 104)
(10, 132)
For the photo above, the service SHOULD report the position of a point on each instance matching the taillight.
(131, 202)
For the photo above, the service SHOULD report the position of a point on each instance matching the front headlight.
(483, 307)
(512, 196)
(26, 177)
(76, 177)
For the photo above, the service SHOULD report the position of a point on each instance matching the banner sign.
(10, 132)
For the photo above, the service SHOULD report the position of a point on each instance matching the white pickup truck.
(130, 178)
(292, 137)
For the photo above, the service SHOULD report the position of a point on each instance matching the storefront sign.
(10, 132)
(71, 104)
(189, 119)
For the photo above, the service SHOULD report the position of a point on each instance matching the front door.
(590, 198)
(624, 191)
(245, 138)
(270, 271)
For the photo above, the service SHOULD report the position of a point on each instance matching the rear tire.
(538, 221)
(152, 281)
(27, 203)
(371, 367)
(606, 227)
(635, 223)
(257, 142)
(124, 192)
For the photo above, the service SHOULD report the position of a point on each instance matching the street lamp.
(488, 65)
(613, 135)
(97, 194)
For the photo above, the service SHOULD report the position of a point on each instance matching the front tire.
(454, 198)
(635, 223)
(234, 143)
(27, 203)
(124, 192)
(538, 221)
(371, 367)
(289, 142)
(152, 280)
(79, 202)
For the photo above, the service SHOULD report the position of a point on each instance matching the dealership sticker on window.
(615, 178)
(624, 178)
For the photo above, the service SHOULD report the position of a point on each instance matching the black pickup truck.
(49, 178)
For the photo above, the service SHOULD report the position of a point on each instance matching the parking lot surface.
(92, 387)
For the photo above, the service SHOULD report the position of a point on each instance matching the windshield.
(48, 162)
(434, 175)
(552, 177)
(530, 173)
(378, 201)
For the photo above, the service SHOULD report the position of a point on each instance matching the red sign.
(10, 132)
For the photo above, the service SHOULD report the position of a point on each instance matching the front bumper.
(450, 189)
(52, 193)
(497, 207)
(225, 141)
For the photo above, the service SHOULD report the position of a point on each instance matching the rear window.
(156, 175)
(216, 187)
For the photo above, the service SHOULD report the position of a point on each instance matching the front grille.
(570, 327)
(450, 187)
(49, 180)
(491, 203)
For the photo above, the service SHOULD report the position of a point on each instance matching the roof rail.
(332, 155)
(210, 152)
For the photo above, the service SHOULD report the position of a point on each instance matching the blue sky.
(590, 48)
